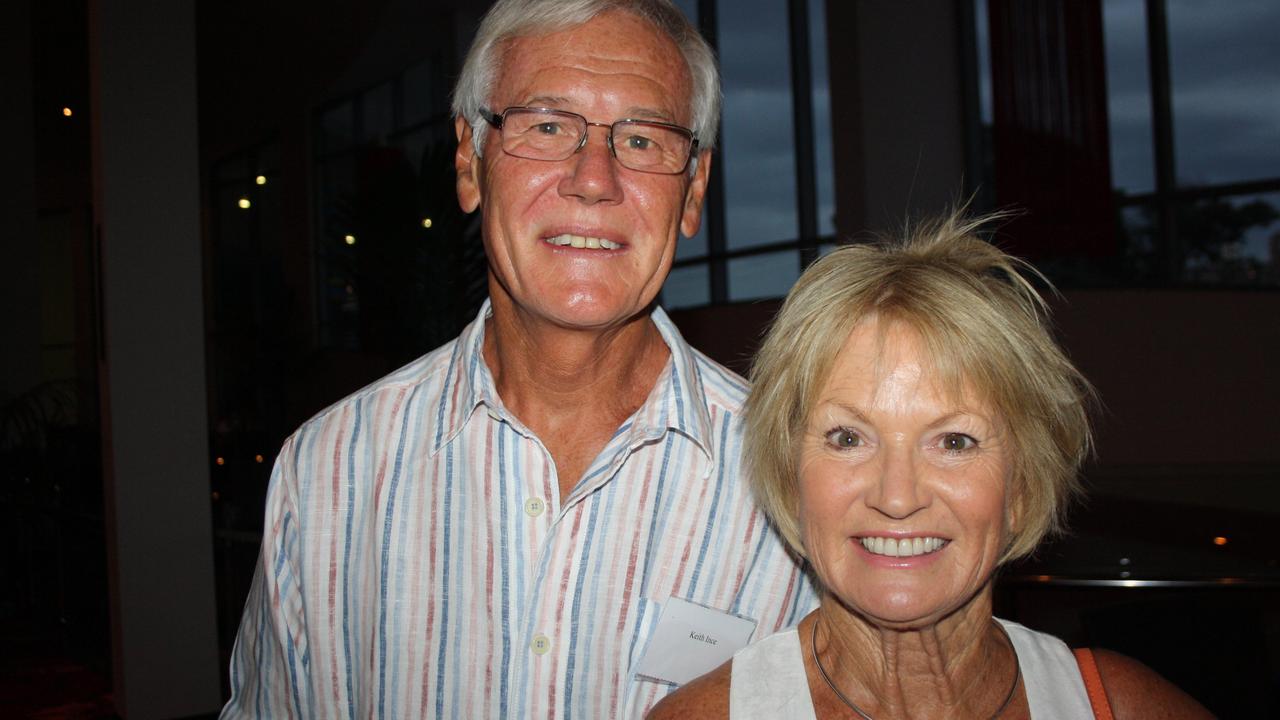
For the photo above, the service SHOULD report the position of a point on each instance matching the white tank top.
(768, 680)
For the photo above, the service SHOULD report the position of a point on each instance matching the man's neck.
(572, 387)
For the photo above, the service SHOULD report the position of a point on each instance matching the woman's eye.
(958, 442)
(843, 438)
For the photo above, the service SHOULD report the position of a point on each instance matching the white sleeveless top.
(768, 680)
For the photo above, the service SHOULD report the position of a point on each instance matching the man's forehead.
(614, 58)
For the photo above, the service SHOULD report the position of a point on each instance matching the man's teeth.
(905, 547)
(581, 241)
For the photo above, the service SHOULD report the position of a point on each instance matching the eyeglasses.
(545, 134)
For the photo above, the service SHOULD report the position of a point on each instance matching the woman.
(912, 426)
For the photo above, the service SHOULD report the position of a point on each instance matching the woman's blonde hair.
(983, 326)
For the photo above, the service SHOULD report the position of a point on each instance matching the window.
(1188, 114)
(771, 201)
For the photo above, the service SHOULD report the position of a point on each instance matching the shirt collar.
(677, 401)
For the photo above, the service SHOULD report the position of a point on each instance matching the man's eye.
(548, 128)
(843, 438)
(958, 442)
(639, 142)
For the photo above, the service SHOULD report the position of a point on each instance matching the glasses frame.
(497, 120)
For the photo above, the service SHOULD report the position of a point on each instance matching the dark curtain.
(1050, 144)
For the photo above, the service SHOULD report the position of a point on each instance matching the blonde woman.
(912, 426)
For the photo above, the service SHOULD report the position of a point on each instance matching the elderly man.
(545, 517)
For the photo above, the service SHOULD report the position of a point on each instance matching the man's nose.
(593, 175)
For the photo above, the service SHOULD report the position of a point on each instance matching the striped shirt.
(417, 560)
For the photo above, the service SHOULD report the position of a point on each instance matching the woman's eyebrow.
(853, 410)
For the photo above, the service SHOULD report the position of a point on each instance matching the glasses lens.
(541, 134)
(651, 148)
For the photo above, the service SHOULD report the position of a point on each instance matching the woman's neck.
(959, 666)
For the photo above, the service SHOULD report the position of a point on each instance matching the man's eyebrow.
(547, 101)
(635, 112)
(644, 113)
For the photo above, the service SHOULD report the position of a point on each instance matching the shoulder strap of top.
(1093, 684)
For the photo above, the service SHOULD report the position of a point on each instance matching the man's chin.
(595, 311)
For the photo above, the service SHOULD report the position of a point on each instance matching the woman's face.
(902, 483)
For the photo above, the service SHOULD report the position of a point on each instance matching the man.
(496, 529)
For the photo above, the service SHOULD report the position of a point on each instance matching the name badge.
(690, 640)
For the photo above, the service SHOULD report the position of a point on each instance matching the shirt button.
(533, 507)
(540, 645)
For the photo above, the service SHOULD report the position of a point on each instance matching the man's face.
(614, 67)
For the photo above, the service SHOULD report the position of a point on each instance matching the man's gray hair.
(509, 19)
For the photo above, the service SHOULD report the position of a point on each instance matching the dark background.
(1140, 138)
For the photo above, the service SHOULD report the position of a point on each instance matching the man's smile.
(582, 241)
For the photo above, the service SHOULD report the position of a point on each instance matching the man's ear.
(467, 164)
(691, 217)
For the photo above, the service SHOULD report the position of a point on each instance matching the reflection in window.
(414, 273)
(1231, 240)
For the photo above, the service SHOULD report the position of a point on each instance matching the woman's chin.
(903, 609)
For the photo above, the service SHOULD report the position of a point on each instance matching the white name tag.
(690, 640)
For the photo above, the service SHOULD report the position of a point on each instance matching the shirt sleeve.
(269, 664)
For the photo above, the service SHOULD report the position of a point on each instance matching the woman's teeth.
(905, 547)
(581, 241)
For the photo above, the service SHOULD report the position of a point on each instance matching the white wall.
(155, 447)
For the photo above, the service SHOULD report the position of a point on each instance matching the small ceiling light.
(220, 460)
(1219, 541)
(216, 496)
(426, 222)
(244, 203)
(66, 112)
(257, 458)
(349, 239)
(261, 179)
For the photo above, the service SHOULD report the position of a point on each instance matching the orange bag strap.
(1093, 684)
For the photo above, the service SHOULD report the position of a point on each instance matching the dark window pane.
(763, 276)
(823, 153)
(1232, 241)
(1142, 258)
(759, 156)
(378, 113)
(690, 8)
(687, 286)
(1129, 96)
(337, 128)
(416, 93)
(695, 246)
(1225, 68)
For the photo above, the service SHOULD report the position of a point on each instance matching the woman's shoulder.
(1137, 691)
(705, 697)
